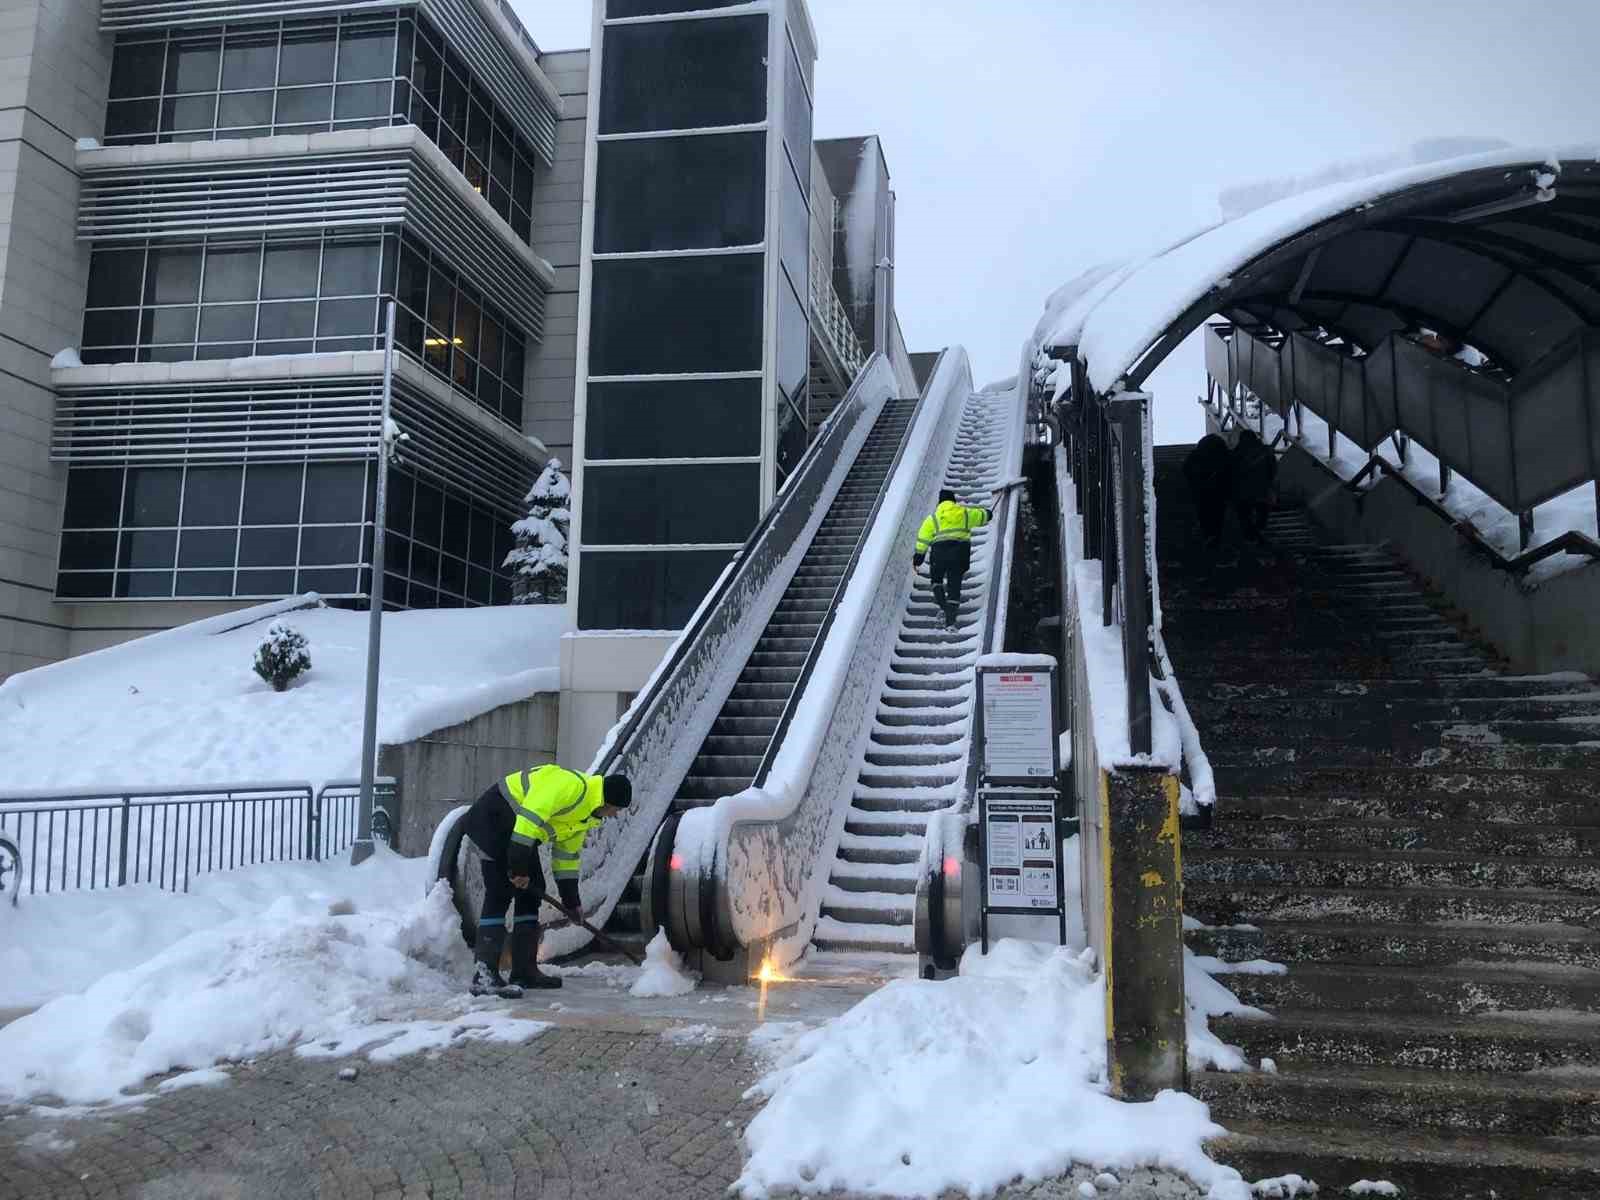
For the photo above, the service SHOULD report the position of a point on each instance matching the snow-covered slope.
(184, 706)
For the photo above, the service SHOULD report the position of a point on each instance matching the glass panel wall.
(229, 298)
(674, 416)
(266, 529)
(357, 71)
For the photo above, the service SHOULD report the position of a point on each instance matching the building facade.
(229, 196)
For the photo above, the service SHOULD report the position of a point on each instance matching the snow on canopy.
(1114, 313)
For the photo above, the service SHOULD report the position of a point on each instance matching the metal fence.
(74, 840)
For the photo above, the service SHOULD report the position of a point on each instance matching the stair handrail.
(617, 745)
(810, 665)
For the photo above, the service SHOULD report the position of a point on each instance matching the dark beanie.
(946, 494)
(616, 791)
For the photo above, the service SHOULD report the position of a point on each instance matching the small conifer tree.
(283, 656)
(539, 561)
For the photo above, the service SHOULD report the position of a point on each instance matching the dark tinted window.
(137, 69)
(680, 418)
(796, 117)
(367, 54)
(684, 75)
(138, 585)
(665, 505)
(335, 492)
(705, 191)
(208, 547)
(330, 544)
(250, 62)
(645, 590)
(673, 315)
(211, 495)
(307, 58)
(794, 341)
(290, 272)
(649, 8)
(88, 550)
(192, 65)
(232, 273)
(172, 276)
(205, 583)
(267, 547)
(794, 229)
(92, 585)
(94, 497)
(264, 583)
(272, 493)
(115, 277)
(148, 548)
(152, 496)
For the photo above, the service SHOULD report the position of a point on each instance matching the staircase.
(731, 754)
(916, 758)
(1415, 835)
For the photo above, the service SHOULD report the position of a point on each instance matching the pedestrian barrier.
(67, 840)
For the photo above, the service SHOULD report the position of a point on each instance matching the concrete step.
(863, 937)
(1231, 903)
(1556, 1044)
(1423, 1166)
(1399, 944)
(1460, 1102)
(1344, 988)
(1346, 835)
(1393, 869)
(1478, 805)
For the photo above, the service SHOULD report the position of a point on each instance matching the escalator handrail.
(690, 636)
(792, 705)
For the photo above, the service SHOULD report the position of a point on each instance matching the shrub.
(283, 656)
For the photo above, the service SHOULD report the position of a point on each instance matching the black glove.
(569, 894)
(916, 560)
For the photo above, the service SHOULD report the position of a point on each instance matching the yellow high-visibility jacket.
(555, 805)
(950, 522)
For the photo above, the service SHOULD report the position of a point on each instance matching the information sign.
(1022, 852)
(1019, 743)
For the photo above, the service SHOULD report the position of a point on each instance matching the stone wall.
(455, 764)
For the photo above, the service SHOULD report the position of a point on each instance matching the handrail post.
(122, 848)
(1127, 409)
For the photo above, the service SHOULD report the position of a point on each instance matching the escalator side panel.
(682, 707)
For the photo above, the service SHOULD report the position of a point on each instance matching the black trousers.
(947, 567)
(489, 825)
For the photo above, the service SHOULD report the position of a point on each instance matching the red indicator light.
(675, 862)
(952, 866)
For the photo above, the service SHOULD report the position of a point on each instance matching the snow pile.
(67, 357)
(662, 973)
(301, 971)
(183, 707)
(866, 1102)
(63, 942)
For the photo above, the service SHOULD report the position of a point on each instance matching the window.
(705, 191)
(649, 8)
(645, 589)
(693, 503)
(145, 532)
(684, 75)
(676, 315)
(680, 418)
(230, 298)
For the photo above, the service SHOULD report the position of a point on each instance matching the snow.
(1468, 504)
(63, 942)
(865, 1103)
(183, 706)
(67, 357)
(87, 143)
(330, 979)
(662, 973)
(1283, 1187)
(1372, 1187)
(1114, 313)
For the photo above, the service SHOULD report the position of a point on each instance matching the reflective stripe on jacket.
(555, 805)
(950, 522)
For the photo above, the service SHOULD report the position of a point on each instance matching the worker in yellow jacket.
(507, 823)
(945, 539)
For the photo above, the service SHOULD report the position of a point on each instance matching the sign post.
(1019, 804)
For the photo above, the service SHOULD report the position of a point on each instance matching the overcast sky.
(1029, 139)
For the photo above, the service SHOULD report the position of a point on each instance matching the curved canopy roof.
(1499, 250)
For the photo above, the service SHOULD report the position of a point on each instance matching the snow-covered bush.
(539, 561)
(283, 656)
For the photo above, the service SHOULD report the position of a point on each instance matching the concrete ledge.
(1541, 626)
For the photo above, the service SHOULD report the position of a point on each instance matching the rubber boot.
(486, 977)
(938, 598)
(525, 971)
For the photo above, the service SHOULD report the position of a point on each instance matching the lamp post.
(361, 848)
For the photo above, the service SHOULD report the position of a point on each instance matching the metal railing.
(829, 315)
(69, 840)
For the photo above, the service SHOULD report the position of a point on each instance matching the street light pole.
(361, 849)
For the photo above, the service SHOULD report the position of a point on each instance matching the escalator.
(741, 736)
